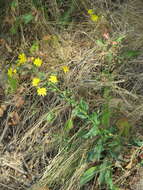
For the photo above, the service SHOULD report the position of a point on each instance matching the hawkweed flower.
(11, 71)
(22, 58)
(53, 79)
(35, 81)
(37, 62)
(65, 69)
(94, 18)
(14, 71)
(42, 91)
(90, 11)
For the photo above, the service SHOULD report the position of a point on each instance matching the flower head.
(42, 91)
(35, 81)
(11, 71)
(14, 71)
(90, 11)
(65, 69)
(53, 79)
(22, 58)
(38, 62)
(94, 18)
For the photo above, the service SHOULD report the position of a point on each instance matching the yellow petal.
(94, 18)
(53, 79)
(65, 69)
(90, 11)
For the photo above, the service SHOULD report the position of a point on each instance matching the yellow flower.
(42, 91)
(94, 18)
(53, 79)
(65, 69)
(90, 11)
(22, 58)
(35, 81)
(11, 71)
(37, 62)
(14, 71)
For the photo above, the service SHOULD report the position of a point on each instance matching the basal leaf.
(130, 53)
(27, 18)
(82, 115)
(35, 47)
(88, 175)
(106, 118)
(13, 83)
(68, 125)
(50, 117)
(83, 105)
(100, 43)
(94, 118)
(91, 133)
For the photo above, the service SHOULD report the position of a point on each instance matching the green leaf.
(75, 111)
(27, 18)
(94, 118)
(13, 29)
(120, 39)
(83, 105)
(103, 168)
(99, 149)
(73, 102)
(42, 75)
(82, 115)
(130, 54)
(106, 118)
(138, 143)
(105, 174)
(95, 153)
(35, 47)
(13, 83)
(81, 110)
(68, 125)
(101, 178)
(108, 179)
(100, 43)
(92, 133)
(124, 127)
(81, 133)
(88, 175)
(14, 4)
(50, 117)
(79, 113)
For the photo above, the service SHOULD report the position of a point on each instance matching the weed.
(88, 135)
(106, 138)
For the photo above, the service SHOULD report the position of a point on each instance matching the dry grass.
(34, 148)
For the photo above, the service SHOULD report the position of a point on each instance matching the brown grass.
(34, 148)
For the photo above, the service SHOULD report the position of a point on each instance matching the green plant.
(104, 138)
(105, 148)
